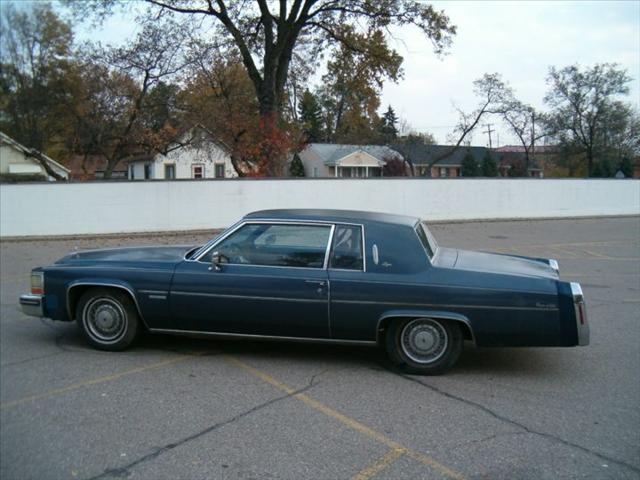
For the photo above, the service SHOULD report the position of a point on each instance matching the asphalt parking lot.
(176, 408)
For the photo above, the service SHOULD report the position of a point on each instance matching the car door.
(271, 280)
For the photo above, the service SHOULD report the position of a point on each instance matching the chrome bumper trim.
(580, 309)
(32, 305)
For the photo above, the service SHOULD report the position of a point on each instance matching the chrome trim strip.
(65, 267)
(432, 285)
(442, 305)
(103, 284)
(152, 292)
(364, 250)
(32, 305)
(215, 241)
(262, 337)
(327, 250)
(248, 297)
(204, 248)
(157, 297)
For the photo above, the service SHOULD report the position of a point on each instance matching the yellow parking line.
(597, 255)
(379, 465)
(93, 381)
(349, 422)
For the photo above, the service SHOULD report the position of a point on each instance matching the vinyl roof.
(347, 216)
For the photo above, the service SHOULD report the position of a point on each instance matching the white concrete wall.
(115, 207)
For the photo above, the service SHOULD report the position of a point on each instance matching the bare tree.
(491, 91)
(520, 118)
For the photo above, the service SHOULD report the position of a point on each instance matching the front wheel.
(108, 318)
(424, 346)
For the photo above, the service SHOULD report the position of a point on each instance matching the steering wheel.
(234, 254)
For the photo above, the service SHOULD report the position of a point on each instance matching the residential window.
(443, 172)
(219, 170)
(147, 171)
(197, 171)
(275, 245)
(315, 171)
(346, 253)
(170, 171)
(132, 172)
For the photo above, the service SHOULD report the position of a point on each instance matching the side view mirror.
(216, 260)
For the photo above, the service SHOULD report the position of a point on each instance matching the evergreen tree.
(470, 167)
(626, 167)
(489, 166)
(311, 117)
(388, 129)
(296, 169)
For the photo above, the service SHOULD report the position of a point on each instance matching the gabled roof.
(332, 153)
(29, 152)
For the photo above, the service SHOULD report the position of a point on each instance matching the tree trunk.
(589, 161)
(39, 157)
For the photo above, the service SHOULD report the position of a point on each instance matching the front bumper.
(32, 305)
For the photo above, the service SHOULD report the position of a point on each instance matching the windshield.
(427, 239)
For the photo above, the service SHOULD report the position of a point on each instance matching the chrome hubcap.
(424, 340)
(105, 319)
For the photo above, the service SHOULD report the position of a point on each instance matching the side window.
(347, 248)
(275, 245)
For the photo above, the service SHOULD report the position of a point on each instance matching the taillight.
(580, 310)
(582, 314)
(37, 283)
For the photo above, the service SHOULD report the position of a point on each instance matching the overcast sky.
(519, 40)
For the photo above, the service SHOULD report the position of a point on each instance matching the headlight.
(37, 283)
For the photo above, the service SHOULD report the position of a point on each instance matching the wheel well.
(76, 291)
(385, 322)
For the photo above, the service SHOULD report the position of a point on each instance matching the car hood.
(498, 263)
(171, 253)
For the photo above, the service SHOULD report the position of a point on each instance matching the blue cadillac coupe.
(318, 276)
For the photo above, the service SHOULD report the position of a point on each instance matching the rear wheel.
(108, 318)
(424, 346)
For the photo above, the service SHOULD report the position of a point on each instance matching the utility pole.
(489, 131)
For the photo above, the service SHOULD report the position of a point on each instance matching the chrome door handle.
(321, 283)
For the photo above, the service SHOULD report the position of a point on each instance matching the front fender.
(72, 298)
(384, 319)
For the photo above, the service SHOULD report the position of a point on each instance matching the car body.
(317, 275)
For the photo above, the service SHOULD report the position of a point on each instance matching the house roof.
(546, 149)
(332, 153)
(29, 152)
(347, 216)
(420, 154)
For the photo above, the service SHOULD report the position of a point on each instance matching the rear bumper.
(32, 305)
(580, 311)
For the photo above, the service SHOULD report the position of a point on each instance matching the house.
(346, 161)
(450, 164)
(92, 167)
(539, 156)
(18, 162)
(195, 154)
